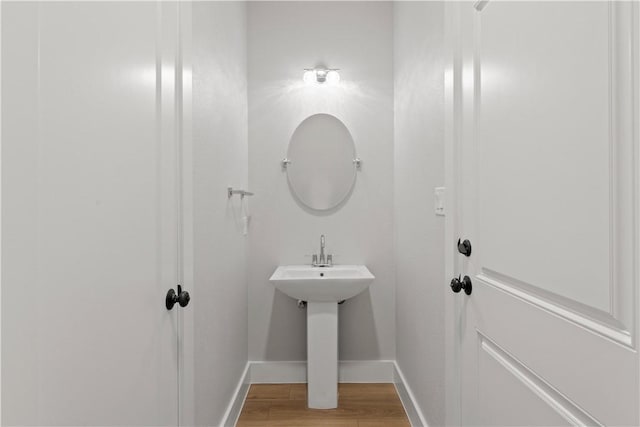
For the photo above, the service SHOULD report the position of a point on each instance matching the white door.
(89, 246)
(547, 167)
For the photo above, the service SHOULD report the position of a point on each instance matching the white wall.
(220, 160)
(419, 167)
(283, 39)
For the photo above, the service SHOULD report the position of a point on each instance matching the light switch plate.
(438, 196)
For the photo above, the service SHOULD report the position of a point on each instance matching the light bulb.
(333, 77)
(309, 77)
(321, 76)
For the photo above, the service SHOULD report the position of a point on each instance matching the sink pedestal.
(322, 355)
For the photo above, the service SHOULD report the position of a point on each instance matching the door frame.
(452, 124)
(636, 136)
(453, 88)
(1, 7)
(173, 55)
(184, 117)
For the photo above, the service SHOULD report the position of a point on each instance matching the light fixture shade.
(333, 77)
(309, 76)
(320, 76)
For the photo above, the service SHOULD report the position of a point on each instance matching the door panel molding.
(618, 323)
(582, 315)
(560, 403)
(489, 58)
(598, 374)
(623, 167)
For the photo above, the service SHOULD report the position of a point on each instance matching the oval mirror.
(321, 168)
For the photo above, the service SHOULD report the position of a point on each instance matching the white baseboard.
(411, 407)
(232, 413)
(349, 371)
(365, 371)
(278, 372)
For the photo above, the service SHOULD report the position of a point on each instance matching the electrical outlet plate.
(438, 196)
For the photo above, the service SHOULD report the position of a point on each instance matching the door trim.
(0, 212)
(452, 103)
(635, 49)
(186, 317)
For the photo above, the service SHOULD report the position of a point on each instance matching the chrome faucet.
(322, 261)
(322, 249)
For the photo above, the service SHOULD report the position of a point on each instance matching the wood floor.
(359, 405)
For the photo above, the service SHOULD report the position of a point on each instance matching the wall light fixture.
(321, 76)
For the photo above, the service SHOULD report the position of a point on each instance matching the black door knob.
(465, 247)
(182, 298)
(457, 285)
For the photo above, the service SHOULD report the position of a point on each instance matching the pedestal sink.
(322, 288)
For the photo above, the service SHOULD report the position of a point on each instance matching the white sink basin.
(322, 288)
(322, 284)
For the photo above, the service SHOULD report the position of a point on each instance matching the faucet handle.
(314, 259)
(329, 259)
